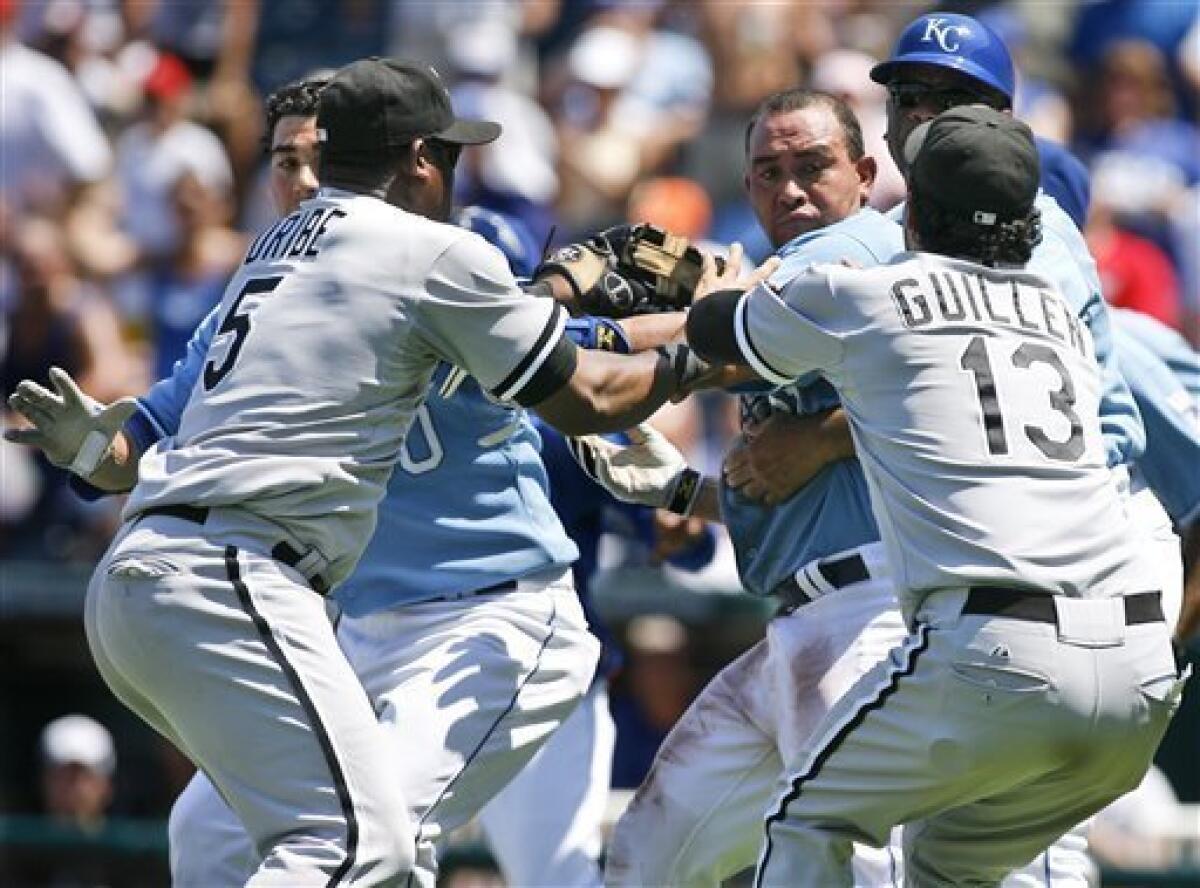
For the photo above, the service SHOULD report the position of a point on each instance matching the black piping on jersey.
(744, 336)
(867, 705)
(306, 703)
(545, 369)
(710, 328)
(488, 733)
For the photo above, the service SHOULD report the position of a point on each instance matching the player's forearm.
(118, 470)
(833, 439)
(708, 501)
(649, 331)
(610, 393)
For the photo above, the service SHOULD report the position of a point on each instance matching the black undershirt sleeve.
(710, 328)
(555, 372)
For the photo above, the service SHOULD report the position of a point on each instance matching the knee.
(204, 837)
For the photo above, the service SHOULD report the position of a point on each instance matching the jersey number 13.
(975, 360)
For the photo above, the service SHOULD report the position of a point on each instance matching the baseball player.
(716, 772)
(436, 544)
(1164, 374)
(1041, 627)
(265, 495)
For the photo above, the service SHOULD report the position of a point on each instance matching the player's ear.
(419, 161)
(867, 170)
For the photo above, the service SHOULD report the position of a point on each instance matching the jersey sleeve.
(1063, 258)
(476, 317)
(1172, 429)
(782, 335)
(160, 409)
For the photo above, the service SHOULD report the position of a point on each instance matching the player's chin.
(790, 227)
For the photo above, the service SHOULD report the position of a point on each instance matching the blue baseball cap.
(957, 42)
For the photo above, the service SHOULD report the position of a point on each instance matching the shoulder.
(866, 238)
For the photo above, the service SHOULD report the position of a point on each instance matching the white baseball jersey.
(353, 283)
(973, 397)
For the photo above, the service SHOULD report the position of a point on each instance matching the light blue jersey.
(1170, 348)
(468, 507)
(1171, 413)
(1063, 258)
(833, 511)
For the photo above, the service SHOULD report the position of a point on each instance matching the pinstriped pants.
(231, 656)
(988, 737)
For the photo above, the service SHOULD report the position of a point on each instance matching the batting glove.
(74, 430)
(648, 471)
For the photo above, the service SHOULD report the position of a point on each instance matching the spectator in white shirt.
(153, 154)
(49, 138)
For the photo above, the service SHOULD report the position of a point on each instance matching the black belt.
(837, 572)
(1019, 604)
(283, 551)
(504, 586)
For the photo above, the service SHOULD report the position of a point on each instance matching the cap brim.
(886, 72)
(470, 132)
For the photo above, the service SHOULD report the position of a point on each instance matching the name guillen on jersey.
(948, 297)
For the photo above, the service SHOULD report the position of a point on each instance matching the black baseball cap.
(375, 107)
(975, 161)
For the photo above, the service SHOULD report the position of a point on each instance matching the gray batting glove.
(648, 471)
(74, 430)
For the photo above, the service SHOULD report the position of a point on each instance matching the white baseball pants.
(546, 826)
(698, 817)
(466, 691)
(229, 655)
(988, 736)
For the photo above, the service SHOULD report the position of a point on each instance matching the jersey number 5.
(239, 326)
(975, 360)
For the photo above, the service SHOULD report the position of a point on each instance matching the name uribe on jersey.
(294, 237)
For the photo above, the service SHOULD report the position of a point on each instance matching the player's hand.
(775, 458)
(727, 274)
(71, 428)
(675, 533)
(627, 270)
(648, 471)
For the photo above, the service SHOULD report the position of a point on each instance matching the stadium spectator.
(1134, 272)
(57, 320)
(78, 764)
(50, 140)
(655, 687)
(153, 153)
(185, 285)
(515, 175)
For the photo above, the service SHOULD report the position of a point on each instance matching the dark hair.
(951, 233)
(797, 99)
(296, 99)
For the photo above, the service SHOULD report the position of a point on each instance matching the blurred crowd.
(133, 161)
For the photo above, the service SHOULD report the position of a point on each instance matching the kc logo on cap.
(948, 36)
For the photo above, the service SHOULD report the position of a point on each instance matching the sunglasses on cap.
(939, 98)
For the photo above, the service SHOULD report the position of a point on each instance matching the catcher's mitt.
(629, 269)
